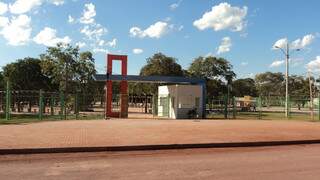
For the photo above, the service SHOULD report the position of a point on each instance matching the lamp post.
(318, 89)
(229, 75)
(286, 52)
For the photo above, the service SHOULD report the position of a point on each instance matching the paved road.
(286, 162)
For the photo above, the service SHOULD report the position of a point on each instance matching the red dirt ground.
(122, 132)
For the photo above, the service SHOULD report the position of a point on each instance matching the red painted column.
(109, 88)
(123, 87)
(124, 90)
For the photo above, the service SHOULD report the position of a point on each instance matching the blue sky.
(242, 31)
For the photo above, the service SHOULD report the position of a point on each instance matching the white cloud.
(137, 51)
(225, 45)
(281, 43)
(48, 37)
(297, 44)
(57, 2)
(223, 16)
(101, 43)
(244, 63)
(167, 19)
(3, 8)
(112, 43)
(174, 6)
(24, 6)
(88, 14)
(81, 44)
(17, 31)
(71, 19)
(100, 50)
(303, 42)
(209, 54)
(277, 63)
(296, 62)
(94, 32)
(156, 30)
(4, 21)
(314, 65)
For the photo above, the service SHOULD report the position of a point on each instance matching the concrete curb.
(155, 147)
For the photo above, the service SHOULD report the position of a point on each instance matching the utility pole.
(311, 96)
(286, 52)
(287, 81)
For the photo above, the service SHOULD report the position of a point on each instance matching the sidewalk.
(129, 132)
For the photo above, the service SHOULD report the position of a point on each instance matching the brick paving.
(126, 132)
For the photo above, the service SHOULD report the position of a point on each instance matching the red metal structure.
(123, 87)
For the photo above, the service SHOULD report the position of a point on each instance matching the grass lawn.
(267, 116)
(33, 118)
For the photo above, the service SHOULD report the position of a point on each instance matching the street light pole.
(287, 81)
(286, 52)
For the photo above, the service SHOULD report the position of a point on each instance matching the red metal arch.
(123, 87)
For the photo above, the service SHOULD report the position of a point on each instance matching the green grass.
(34, 118)
(267, 116)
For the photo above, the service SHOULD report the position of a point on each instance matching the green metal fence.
(268, 108)
(41, 105)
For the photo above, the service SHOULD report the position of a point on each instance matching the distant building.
(180, 101)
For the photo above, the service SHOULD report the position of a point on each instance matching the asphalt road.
(285, 162)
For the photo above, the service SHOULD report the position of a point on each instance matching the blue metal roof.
(149, 79)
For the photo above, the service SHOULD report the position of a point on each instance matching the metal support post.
(76, 107)
(8, 99)
(62, 106)
(41, 105)
(52, 105)
(260, 107)
(225, 107)
(234, 107)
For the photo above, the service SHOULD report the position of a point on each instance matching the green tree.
(159, 64)
(211, 68)
(26, 74)
(270, 83)
(73, 71)
(244, 87)
(217, 71)
(68, 67)
(299, 86)
(1, 81)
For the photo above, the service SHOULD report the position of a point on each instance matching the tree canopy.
(1, 80)
(269, 83)
(244, 87)
(160, 64)
(211, 68)
(64, 64)
(217, 71)
(26, 74)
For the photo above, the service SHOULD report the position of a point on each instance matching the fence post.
(289, 107)
(234, 107)
(260, 107)
(225, 107)
(318, 108)
(41, 104)
(76, 107)
(62, 105)
(8, 103)
(52, 105)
